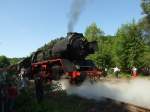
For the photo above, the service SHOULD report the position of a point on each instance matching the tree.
(4, 61)
(144, 23)
(92, 32)
(14, 61)
(129, 46)
(145, 4)
(146, 56)
(103, 55)
(107, 50)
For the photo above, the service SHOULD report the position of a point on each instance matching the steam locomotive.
(68, 60)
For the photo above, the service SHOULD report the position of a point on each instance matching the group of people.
(8, 93)
(116, 71)
(11, 85)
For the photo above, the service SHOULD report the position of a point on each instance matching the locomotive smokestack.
(77, 7)
(70, 34)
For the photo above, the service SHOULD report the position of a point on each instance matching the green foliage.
(14, 61)
(102, 60)
(129, 45)
(144, 23)
(145, 4)
(107, 51)
(103, 55)
(92, 32)
(146, 56)
(4, 61)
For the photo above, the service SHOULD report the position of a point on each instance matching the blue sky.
(26, 25)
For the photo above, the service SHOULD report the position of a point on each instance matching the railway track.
(125, 107)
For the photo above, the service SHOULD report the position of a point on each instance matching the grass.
(54, 102)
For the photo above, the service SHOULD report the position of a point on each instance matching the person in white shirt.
(116, 71)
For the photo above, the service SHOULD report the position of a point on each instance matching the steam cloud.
(135, 91)
(75, 11)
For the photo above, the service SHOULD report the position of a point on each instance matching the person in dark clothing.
(1, 99)
(39, 85)
(3, 92)
(39, 89)
(11, 97)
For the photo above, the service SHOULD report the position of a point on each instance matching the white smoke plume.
(135, 91)
(77, 7)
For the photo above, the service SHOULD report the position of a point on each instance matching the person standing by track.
(116, 71)
(134, 72)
